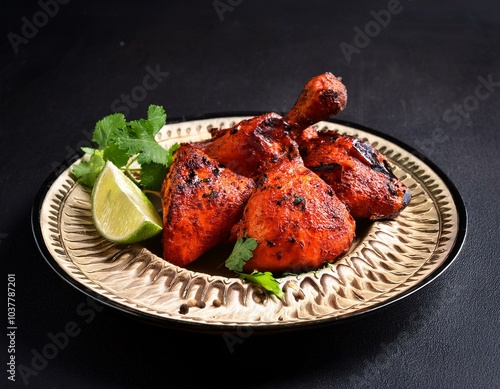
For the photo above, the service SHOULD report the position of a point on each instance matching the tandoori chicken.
(250, 146)
(201, 202)
(360, 176)
(297, 220)
(323, 96)
(276, 179)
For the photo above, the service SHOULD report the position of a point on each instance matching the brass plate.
(388, 260)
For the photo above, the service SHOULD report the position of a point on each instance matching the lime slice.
(121, 211)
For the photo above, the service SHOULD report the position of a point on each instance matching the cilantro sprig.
(266, 280)
(242, 252)
(128, 145)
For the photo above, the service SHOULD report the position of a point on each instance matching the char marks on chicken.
(311, 186)
(297, 220)
(250, 146)
(323, 96)
(201, 202)
(359, 174)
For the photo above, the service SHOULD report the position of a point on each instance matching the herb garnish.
(128, 144)
(242, 252)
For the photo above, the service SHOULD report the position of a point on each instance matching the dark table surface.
(424, 72)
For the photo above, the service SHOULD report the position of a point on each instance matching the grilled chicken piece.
(248, 147)
(358, 173)
(311, 187)
(323, 96)
(297, 220)
(201, 202)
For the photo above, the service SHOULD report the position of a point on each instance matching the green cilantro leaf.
(88, 150)
(157, 117)
(242, 252)
(116, 155)
(138, 138)
(141, 128)
(152, 175)
(86, 172)
(106, 127)
(123, 142)
(266, 280)
(170, 152)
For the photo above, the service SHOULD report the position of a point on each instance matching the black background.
(409, 81)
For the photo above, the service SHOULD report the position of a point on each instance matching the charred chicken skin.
(360, 176)
(201, 202)
(323, 96)
(311, 186)
(297, 220)
(250, 146)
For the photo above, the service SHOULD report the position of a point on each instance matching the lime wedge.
(121, 211)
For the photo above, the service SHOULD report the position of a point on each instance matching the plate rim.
(462, 219)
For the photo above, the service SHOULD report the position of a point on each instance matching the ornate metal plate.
(388, 260)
